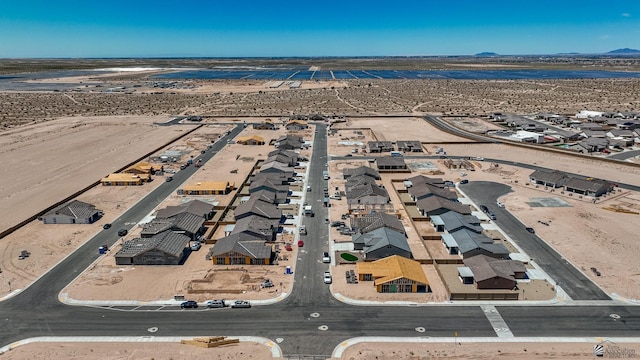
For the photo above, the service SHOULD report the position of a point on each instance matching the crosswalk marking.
(496, 320)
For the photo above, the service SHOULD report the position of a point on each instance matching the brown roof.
(392, 268)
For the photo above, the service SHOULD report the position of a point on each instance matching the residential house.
(421, 191)
(394, 274)
(594, 144)
(391, 163)
(232, 250)
(265, 125)
(435, 205)
(297, 125)
(361, 170)
(275, 167)
(121, 179)
(184, 223)
(421, 179)
(265, 183)
(166, 248)
(357, 181)
(554, 178)
(593, 187)
(491, 273)
(375, 220)
(141, 168)
(256, 227)
(409, 145)
(380, 146)
(257, 207)
(452, 221)
(208, 188)
(467, 243)
(72, 212)
(250, 140)
(369, 194)
(381, 243)
(195, 207)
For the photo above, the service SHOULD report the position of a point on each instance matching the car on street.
(122, 232)
(491, 215)
(500, 204)
(484, 208)
(106, 226)
(300, 243)
(479, 158)
(531, 230)
(169, 179)
(464, 181)
(189, 304)
(327, 277)
(326, 258)
(241, 304)
(214, 304)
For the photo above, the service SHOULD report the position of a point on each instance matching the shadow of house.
(72, 212)
(394, 274)
(166, 248)
(491, 273)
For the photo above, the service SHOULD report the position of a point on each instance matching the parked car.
(212, 304)
(326, 258)
(531, 230)
(266, 284)
(189, 304)
(338, 223)
(500, 204)
(479, 158)
(484, 208)
(241, 304)
(464, 181)
(106, 226)
(122, 232)
(300, 243)
(196, 246)
(327, 277)
(169, 178)
(492, 216)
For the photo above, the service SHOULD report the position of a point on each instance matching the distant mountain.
(486, 54)
(625, 51)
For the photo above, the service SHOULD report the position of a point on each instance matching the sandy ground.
(88, 156)
(360, 351)
(464, 350)
(136, 350)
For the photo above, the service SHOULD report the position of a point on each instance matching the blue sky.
(141, 28)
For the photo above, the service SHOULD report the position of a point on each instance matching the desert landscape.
(68, 141)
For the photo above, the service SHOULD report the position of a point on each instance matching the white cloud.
(603, 37)
(626, 15)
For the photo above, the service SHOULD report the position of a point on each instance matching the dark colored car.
(531, 230)
(484, 208)
(189, 304)
(106, 226)
(122, 232)
(464, 181)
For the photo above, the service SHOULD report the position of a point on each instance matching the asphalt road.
(572, 281)
(310, 321)
(624, 155)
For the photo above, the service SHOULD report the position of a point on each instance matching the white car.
(500, 204)
(326, 258)
(327, 277)
(479, 158)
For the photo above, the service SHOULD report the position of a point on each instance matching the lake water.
(294, 74)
